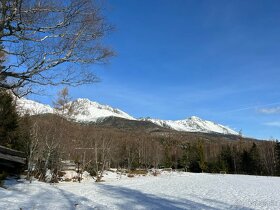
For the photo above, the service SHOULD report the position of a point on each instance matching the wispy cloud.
(274, 123)
(258, 108)
(272, 110)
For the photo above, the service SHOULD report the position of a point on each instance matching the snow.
(48, 175)
(69, 175)
(167, 191)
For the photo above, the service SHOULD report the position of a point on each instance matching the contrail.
(251, 107)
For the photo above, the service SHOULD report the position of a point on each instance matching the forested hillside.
(97, 147)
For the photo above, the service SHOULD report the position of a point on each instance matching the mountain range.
(86, 111)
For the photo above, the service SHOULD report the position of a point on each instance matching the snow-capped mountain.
(84, 110)
(25, 106)
(193, 124)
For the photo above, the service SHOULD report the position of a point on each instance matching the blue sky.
(218, 60)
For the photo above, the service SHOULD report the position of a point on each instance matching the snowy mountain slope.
(84, 110)
(25, 106)
(193, 124)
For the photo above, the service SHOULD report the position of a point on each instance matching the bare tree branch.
(42, 38)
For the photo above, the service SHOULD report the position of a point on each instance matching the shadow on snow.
(133, 199)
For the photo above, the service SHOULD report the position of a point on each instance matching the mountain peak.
(83, 100)
(85, 110)
(194, 124)
(194, 118)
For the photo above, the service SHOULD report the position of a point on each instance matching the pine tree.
(256, 165)
(226, 160)
(245, 162)
(186, 157)
(201, 162)
(236, 155)
(8, 120)
(251, 161)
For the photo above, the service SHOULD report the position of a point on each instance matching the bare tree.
(50, 148)
(105, 147)
(38, 36)
(100, 147)
(32, 149)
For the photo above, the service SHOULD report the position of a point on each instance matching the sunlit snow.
(166, 191)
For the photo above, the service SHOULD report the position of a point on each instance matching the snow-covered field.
(166, 191)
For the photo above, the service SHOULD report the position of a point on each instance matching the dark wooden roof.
(12, 156)
(6, 150)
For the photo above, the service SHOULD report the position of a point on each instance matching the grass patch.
(138, 172)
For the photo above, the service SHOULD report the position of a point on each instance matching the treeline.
(97, 148)
(232, 158)
(47, 140)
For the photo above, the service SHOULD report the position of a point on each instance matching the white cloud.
(274, 123)
(273, 110)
